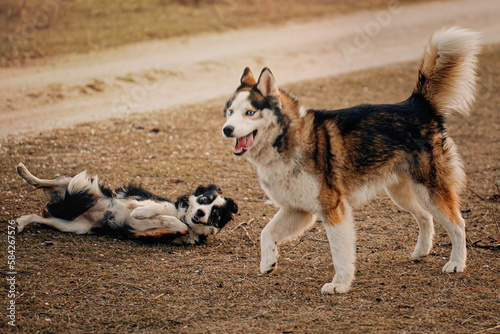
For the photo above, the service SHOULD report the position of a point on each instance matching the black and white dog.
(83, 205)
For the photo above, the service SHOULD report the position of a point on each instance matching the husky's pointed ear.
(247, 78)
(267, 84)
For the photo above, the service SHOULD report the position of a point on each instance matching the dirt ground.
(70, 283)
(36, 29)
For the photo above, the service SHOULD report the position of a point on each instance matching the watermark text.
(11, 273)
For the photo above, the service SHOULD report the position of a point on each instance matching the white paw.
(419, 253)
(268, 254)
(19, 227)
(332, 288)
(454, 267)
(268, 264)
(23, 221)
(341, 283)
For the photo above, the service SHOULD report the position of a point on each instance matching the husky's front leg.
(341, 234)
(287, 224)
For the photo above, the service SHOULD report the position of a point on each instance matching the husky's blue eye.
(250, 113)
(230, 112)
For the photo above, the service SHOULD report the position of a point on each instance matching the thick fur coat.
(83, 205)
(319, 164)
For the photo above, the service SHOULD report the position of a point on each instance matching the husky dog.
(319, 164)
(83, 205)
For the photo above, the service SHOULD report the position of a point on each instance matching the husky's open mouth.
(243, 144)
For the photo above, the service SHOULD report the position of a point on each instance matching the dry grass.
(39, 28)
(69, 283)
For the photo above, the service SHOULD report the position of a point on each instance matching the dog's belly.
(288, 187)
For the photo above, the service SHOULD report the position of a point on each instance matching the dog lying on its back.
(83, 205)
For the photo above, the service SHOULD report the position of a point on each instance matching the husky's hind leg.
(443, 205)
(440, 195)
(402, 194)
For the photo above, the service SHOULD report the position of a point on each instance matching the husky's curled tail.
(447, 76)
(318, 164)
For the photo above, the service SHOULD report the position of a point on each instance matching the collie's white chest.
(293, 187)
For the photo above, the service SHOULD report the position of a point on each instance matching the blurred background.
(31, 29)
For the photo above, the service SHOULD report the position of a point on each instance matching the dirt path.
(63, 91)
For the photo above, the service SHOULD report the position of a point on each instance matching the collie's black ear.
(267, 84)
(247, 78)
(226, 213)
(214, 188)
(200, 190)
(231, 205)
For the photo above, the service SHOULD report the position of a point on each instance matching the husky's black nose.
(228, 130)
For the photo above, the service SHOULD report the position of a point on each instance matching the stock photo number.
(11, 273)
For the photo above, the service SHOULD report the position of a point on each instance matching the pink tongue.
(244, 143)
